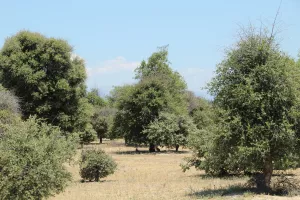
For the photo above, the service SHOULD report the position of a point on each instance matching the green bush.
(96, 164)
(31, 160)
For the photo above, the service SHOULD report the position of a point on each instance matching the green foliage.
(87, 135)
(253, 126)
(159, 90)
(118, 95)
(43, 74)
(96, 164)
(31, 160)
(254, 88)
(94, 98)
(102, 121)
(170, 130)
(142, 106)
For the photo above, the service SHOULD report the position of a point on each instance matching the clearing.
(155, 176)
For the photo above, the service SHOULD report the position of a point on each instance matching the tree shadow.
(143, 152)
(100, 181)
(226, 177)
(234, 190)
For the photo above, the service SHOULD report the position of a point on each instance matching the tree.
(255, 86)
(170, 130)
(32, 160)
(159, 89)
(96, 164)
(142, 106)
(159, 65)
(44, 75)
(102, 121)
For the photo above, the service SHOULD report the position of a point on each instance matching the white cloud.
(119, 64)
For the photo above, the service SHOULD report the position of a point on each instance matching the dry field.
(156, 177)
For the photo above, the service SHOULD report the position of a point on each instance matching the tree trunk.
(97, 176)
(267, 172)
(263, 181)
(100, 140)
(152, 148)
(177, 147)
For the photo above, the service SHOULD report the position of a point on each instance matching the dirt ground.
(154, 176)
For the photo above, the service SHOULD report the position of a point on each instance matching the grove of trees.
(251, 126)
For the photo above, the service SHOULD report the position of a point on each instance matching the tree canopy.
(255, 87)
(159, 89)
(47, 78)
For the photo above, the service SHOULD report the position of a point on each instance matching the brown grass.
(154, 176)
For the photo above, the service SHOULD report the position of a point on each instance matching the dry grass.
(154, 176)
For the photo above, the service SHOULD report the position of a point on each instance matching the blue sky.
(114, 36)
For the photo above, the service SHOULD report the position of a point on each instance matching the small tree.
(170, 130)
(102, 121)
(31, 160)
(96, 164)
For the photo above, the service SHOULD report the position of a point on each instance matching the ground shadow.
(234, 190)
(100, 181)
(226, 177)
(147, 152)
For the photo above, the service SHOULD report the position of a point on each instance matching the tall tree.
(159, 89)
(47, 78)
(255, 85)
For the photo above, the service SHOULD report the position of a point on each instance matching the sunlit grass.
(156, 176)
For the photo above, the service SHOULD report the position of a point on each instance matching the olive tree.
(256, 87)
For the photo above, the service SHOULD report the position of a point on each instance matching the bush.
(31, 160)
(96, 164)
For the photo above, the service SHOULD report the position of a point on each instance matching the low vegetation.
(96, 164)
(31, 160)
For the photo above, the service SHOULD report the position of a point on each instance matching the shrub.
(31, 160)
(96, 164)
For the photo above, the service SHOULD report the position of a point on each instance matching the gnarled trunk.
(100, 140)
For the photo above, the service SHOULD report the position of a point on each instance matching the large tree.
(48, 79)
(255, 85)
